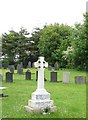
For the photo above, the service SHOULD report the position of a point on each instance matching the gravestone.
(40, 98)
(20, 68)
(66, 77)
(11, 68)
(49, 67)
(56, 66)
(53, 77)
(9, 77)
(80, 79)
(28, 75)
(1, 77)
(29, 64)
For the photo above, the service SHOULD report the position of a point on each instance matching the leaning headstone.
(53, 77)
(56, 66)
(40, 101)
(28, 75)
(11, 68)
(19, 69)
(9, 77)
(29, 64)
(66, 77)
(1, 78)
(80, 79)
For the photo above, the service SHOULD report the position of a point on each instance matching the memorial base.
(40, 110)
(40, 102)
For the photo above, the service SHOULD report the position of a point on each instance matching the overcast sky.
(37, 13)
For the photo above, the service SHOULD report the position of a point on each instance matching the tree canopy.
(53, 41)
(64, 44)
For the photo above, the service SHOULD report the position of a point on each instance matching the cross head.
(41, 63)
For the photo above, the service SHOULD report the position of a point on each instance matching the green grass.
(70, 99)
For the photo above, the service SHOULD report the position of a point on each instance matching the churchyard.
(69, 98)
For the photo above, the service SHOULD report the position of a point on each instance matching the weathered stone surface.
(66, 77)
(40, 110)
(9, 77)
(11, 68)
(49, 67)
(40, 104)
(20, 68)
(80, 79)
(29, 64)
(40, 95)
(56, 66)
(28, 75)
(53, 77)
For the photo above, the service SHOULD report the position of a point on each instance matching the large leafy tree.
(80, 37)
(35, 36)
(18, 47)
(15, 44)
(9, 45)
(53, 41)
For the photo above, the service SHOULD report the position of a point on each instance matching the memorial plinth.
(40, 98)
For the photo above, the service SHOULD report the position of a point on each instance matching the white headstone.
(66, 77)
(40, 98)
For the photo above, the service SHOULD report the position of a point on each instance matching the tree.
(35, 36)
(13, 44)
(9, 44)
(80, 37)
(17, 47)
(54, 40)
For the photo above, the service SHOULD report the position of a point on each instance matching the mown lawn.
(70, 99)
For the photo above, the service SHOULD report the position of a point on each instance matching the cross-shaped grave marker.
(40, 98)
(41, 64)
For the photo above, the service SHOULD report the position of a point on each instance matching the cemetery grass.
(70, 99)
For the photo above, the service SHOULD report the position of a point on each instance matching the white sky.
(37, 13)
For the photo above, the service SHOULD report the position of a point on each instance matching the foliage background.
(64, 44)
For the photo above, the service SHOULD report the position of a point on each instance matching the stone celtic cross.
(41, 64)
(40, 98)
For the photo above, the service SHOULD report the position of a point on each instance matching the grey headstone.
(29, 64)
(28, 75)
(53, 77)
(9, 77)
(49, 67)
(66, 77)
(11, 68)
(20, 69)
(56, 66)
(80, 79)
